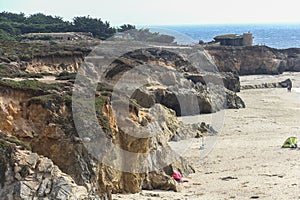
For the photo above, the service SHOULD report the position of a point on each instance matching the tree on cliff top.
(12, 17)
(40, 18)
(99, 29)
(12, 25)
(148, 36)
(126, 27)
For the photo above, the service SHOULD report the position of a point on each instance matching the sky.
(163, 12)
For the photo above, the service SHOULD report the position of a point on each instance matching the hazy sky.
(164, 12)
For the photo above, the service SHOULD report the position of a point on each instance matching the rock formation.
(208, 90)
(252, 60)
(43, 121)
(27, 175)
(282, 84)
(40, 116)
(42, 57)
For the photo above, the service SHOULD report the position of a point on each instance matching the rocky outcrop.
(26, 175)
(252, 60)
(230, 81)
(290, 59)
(54, 64)
(179, 100)
(282, 84)
(177, 83)
(37, 57)
(128, 137)
(40, 116)
(43, 121)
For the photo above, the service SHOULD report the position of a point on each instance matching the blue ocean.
(279, 36)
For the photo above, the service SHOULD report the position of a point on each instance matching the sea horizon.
(217, 24)
(275, 35)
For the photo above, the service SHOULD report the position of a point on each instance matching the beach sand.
(246, 161)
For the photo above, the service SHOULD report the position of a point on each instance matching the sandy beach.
(247, 161)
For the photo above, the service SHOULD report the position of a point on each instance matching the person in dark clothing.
(287, 83)
(289, 87)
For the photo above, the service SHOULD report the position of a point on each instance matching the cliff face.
(43, 57)
(26, 175)
(54, 64)
(255, 59)
(43, 121)
(177, 81)
(291, 59)
(41, 117)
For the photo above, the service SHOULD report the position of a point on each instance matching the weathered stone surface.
(34, 180)
(177, 82)
(154, 180)
(230, 80)
(234, 101)
(143, 97)
(283, 84)
(71, 157)
(167, 127)
(188, 101)
(255, 59)
(47, 126)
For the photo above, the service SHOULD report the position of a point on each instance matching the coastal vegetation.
(51, 98)
(14, 51)
(14, 25)
(30, 85)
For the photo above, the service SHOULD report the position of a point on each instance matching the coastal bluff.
(37, 113)
(251, 60)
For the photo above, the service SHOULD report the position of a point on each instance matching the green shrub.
(66, 76)
(51, 98)
(33, 85)
(4, 36)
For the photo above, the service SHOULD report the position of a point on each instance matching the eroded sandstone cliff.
(43, 121)
(40, 115)
(255, 59)
(21, 58)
